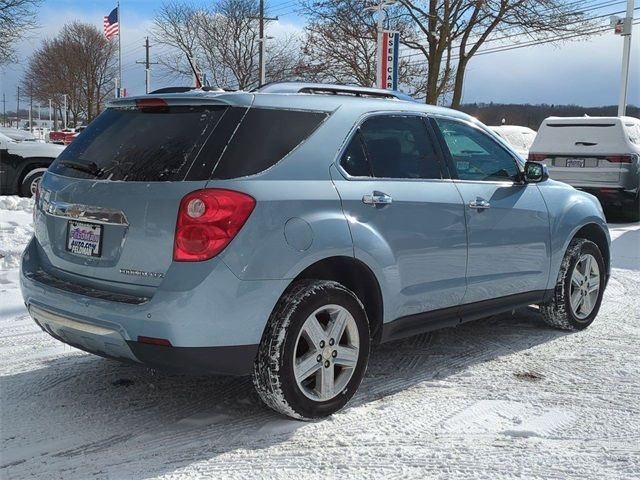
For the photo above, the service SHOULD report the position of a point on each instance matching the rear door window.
(396, 147)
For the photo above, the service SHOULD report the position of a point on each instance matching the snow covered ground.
(498, 398)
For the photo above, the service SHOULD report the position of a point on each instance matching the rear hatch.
(583, 152)
(108, 205)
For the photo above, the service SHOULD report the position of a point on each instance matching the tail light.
(208, 220)
(620, 158)
(36, 198)
(537, 157)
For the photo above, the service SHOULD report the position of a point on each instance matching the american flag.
(111, 25)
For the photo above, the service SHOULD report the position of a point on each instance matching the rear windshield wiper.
(91, 168)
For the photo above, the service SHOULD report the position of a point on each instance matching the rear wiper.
(91, 168)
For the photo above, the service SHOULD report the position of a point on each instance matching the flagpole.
(119, 51)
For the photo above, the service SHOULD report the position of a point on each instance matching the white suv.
(598, 154)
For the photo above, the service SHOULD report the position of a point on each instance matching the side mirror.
(535, 172)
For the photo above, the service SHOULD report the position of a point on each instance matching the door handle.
(479, 204)
(377, 198)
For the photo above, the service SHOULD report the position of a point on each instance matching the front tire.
(579, 288)
(314, 351)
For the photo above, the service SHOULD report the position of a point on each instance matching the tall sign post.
(623, 27)
(387, 62)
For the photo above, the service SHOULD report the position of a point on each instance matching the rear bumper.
(213, 320)
(611, 196)
(108, 343)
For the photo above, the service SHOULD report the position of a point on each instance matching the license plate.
(575, 162)
(84, 238)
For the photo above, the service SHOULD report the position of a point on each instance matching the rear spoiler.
(192, 97)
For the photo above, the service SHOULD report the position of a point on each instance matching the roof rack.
(330, 89)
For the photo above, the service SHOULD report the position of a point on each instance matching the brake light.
(619, 158)
(537, 157)
(208, 220)
(152, 105)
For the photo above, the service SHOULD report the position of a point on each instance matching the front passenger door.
(507, 220)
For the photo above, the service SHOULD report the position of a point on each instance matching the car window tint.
(354, 160)
(140, 144)
(476, 156)
(400, 147)
(265, 137)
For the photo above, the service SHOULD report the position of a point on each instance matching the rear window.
(134, 145)
(184, 143)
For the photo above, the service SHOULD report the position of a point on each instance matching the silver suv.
(280, 234)
(600, 155)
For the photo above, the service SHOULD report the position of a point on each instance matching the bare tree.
(463, 26)
(222, 39)
(340, 46)
(16, 17)
(439, 37)
(80, 63)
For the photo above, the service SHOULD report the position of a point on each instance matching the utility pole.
(50, 124)
(626, 55)
(64, 117)
(147, 65)
(31, 107)
(18, 110)
(4, 110)
(262, 39)
(379, 9)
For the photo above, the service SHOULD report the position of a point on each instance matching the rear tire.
(579, 288)
(314, 351)
(633, 213)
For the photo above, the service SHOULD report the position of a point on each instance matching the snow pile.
(13, 203)
(16, 228)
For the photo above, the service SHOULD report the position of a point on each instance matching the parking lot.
(501, 397)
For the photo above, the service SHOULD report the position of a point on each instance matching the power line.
(534, 43)
(505, 37)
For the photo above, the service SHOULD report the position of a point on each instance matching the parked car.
(70, 137)
(58, 136)
(17, 135)
(520, 138)
(281, 234)
(22, 165)
(600, 155)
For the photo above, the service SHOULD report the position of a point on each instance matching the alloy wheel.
(326, 352)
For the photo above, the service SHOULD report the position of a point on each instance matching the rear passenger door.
(406, 216)
(507, 219)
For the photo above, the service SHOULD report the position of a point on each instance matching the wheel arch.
(594, 233)
(357, 277)
(31, 163)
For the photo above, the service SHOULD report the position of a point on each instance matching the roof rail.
(331, 89)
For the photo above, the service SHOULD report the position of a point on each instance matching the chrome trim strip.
(49, 317)
(73, 211)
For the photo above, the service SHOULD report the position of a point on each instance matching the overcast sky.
(583, 72)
